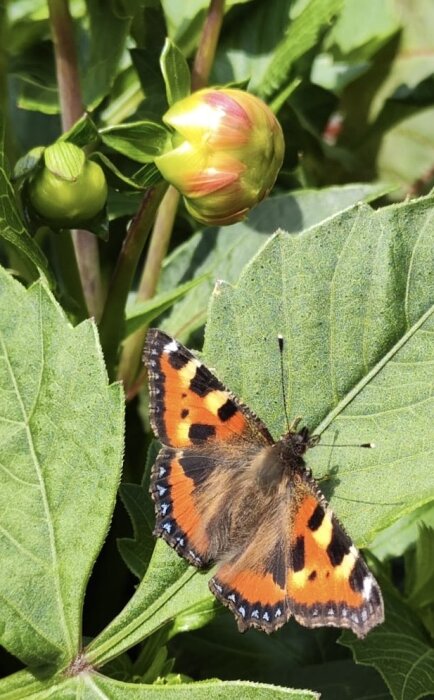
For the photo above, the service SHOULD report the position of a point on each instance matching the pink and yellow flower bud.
(227, 150)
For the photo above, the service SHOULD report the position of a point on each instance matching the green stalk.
(208, 44)
(112, 321)
(71, 104)
(132, 350)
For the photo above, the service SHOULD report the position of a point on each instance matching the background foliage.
(339, 260)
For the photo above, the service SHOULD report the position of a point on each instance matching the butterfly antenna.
(282, 378)
(366, 445)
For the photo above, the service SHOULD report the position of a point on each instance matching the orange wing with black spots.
(225, 492)
(191, 408)
(189, 405)
(310, 570)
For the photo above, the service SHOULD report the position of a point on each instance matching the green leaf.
(176, 73)
(353, 298)
(25, 165)
(147, 176)
(293, 656)
(301, 36)
(64, 160)
(169, 587)
(141, 314)
(124, 99)
(12, 228)
(402, 534)
(137, 551)
(113, 175)
(222, 252)
(185, 21)
(247, 45)
(94, 686)
(141, 141)
(147, 65)
(61, 443)
(82, 133)
(361, 30)
(399, 649)
(108, 37)
(35, 80)
(402, 156)
(420, 577)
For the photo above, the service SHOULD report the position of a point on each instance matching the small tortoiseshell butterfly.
(226, 492)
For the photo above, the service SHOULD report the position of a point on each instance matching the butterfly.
(226, 493)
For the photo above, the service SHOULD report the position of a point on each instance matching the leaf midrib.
(353, 393)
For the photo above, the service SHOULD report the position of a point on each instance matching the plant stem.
(71, 104)
(112, 321)
(131, 353)
(208, 44)
(158, 245)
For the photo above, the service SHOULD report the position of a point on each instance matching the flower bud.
(69, 189)
(227, 150)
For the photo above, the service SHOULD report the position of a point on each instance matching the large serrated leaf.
(169, 588)
(61, 443)
(222, 252)
(400, 650)
(353, 298)
(95, 686)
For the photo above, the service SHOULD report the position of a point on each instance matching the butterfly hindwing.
(311, 571)
(331, 584)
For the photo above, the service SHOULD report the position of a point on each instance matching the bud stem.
(71, 106)
(208, 43)
(120, 284)
(158, 245)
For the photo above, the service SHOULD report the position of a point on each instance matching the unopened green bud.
(69, 189)
(227, 150)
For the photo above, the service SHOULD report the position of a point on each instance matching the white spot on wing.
(171, 347)
(367, 587)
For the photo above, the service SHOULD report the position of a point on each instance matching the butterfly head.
(296, 443)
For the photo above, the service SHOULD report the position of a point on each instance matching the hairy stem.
(130, 359)
(71, 105)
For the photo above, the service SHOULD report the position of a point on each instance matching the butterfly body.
(225, 492)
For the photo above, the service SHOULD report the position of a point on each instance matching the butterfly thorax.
(276, 465)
